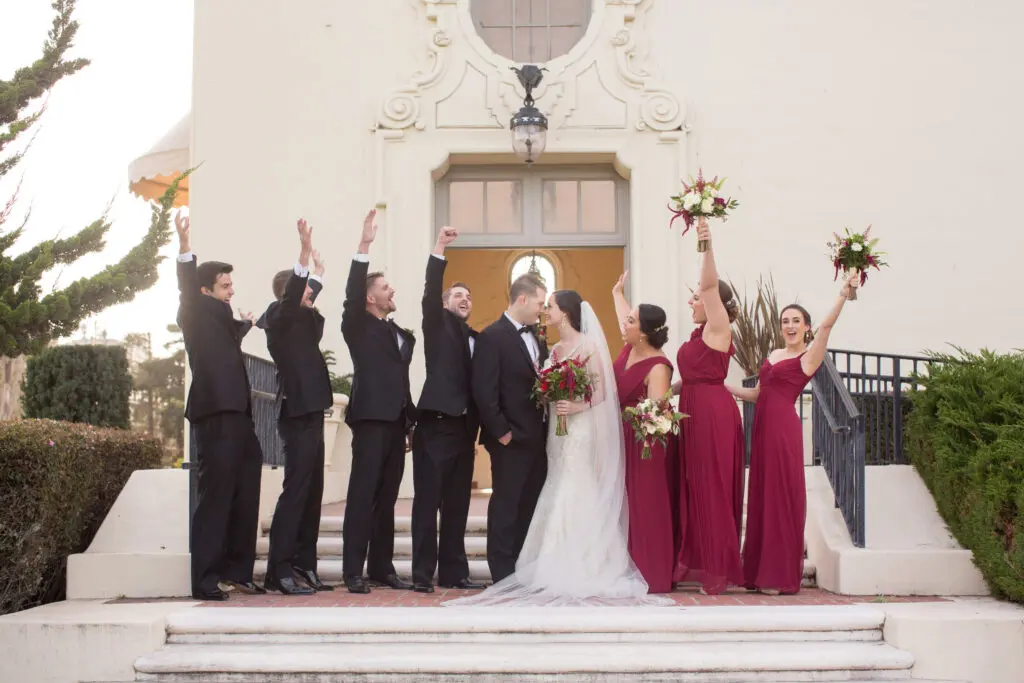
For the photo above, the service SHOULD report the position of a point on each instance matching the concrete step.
(708, 662)
(330, 569)
(332, 524)
(236, 625)
(331, 546)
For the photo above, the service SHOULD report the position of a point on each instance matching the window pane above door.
(504, 207)
(597, 200)
(466, 205)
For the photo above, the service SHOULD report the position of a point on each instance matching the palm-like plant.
(758, 328)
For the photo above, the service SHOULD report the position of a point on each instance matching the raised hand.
(620, 284)
(703, 231)
(246, 316)
(181, 224)
(305, 233)
(369, 230)
(318, 265)
(447, 235)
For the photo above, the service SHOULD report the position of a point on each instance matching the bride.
(575, 550)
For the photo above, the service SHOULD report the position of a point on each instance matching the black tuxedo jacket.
(503, 378)
(446, 347)
(213, 342)
(293, 339)
(380, 380)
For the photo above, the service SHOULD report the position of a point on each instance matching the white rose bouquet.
(652, 421)
(854, 254)
(701, 199)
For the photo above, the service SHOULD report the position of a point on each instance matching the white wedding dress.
(575, 551)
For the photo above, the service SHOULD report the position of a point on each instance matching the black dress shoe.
(356, 584)
(392, 581)
(464, 584)
(311, 579)
(216, 594)
(288, 586)
(423, 587)
(247, 587)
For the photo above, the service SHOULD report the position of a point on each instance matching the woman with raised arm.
(773, 551)
(711, 448)
(643, 371)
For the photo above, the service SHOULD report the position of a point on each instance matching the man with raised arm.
(230, 461)
(294, 329)
(380, 415)
(444, 444)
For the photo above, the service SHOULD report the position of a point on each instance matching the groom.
(505, 363)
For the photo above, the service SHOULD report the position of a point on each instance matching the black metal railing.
(879, 384)
(839, 445)
(263, 387)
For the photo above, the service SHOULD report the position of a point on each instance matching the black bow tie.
(525, 329)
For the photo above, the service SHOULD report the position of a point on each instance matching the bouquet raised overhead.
(701, 198)
(566, 380)
(652, 421)
(855, 253)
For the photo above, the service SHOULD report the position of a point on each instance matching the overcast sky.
(97, 121)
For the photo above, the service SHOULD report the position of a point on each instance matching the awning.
(151, 174)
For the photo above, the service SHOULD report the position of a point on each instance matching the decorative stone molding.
(600, 84)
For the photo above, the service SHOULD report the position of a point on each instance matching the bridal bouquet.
(700, 199)
(652, 421)
(855, 253)
(566, 380)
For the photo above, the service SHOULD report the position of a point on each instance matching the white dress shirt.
(528, 339)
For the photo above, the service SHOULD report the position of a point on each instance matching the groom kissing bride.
(557, 519)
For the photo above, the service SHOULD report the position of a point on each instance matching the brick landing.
(385, 597)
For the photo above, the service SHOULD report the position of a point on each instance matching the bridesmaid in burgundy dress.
(711, 450)
(773, 552)
(643, 371)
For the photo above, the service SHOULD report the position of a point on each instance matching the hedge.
(966, 438)
(89, 384)
(58, 480)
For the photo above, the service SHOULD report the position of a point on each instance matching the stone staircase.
(330, 544)
(710, 644)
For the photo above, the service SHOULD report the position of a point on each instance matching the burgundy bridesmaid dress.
(773, 552)
(711, 470)
(648, 486)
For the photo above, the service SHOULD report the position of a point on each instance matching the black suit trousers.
(442, 469)
(226, 518)
(296, 526)
(517, 474)
(378, 462)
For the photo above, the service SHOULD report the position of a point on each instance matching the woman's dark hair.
(652, 323)
(571, 303)
(728, 300)
(809, 336)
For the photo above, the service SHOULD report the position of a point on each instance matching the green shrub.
(965, 435)
(89, 384)
(57, 482)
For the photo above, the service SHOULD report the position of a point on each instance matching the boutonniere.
(409, 332)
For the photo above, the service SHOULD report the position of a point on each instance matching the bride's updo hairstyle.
(571, 304)
(652, 323)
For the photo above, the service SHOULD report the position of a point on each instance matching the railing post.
(897, 408)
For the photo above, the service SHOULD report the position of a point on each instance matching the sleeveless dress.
(648, 482)
(773, 552)
(711, 470)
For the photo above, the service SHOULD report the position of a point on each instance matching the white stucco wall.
(823, 115)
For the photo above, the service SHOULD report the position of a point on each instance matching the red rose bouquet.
(566, 380)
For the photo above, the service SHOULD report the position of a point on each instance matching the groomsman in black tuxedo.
(294, 329)
(445, 438)
(381, 414)
(506, 361)
(224, 525)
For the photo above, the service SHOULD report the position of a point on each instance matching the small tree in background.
(758, 327)
(340, 384)
(159, 388)
(89, 384)
(29, 320)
